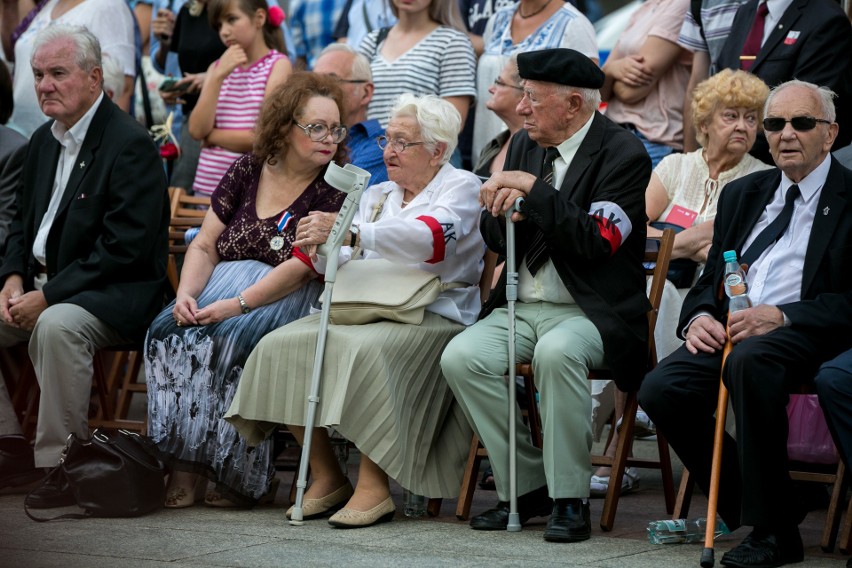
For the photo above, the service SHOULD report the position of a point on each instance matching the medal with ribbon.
(277, 242)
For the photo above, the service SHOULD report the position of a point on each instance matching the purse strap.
(56, 475)
(377, 209)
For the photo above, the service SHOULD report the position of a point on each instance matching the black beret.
(561, 65)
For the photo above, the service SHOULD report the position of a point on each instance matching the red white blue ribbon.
(284, 220)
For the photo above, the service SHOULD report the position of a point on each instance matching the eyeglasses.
(500, 83)
(351, 80)
(397, 144)
(799, 123)
(318, 132)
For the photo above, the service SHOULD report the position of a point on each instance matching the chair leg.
(619, 462)
(832, 518)
(666, 471)
(684, 496)
(433, 508)
(846, 534)
(468, 486)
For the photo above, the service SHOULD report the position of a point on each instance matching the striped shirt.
(238, 107)
(441, 64)
(717, 17)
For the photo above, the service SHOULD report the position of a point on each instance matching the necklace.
(535, 13)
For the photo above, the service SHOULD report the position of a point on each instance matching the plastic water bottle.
(682, 530)
(736, 285)
(413, 505)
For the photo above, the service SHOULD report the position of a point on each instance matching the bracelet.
(243, 305)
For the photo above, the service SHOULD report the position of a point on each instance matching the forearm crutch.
(351, 180)
(514, 524)
(707, 555)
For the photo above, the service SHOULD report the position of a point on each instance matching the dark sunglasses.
(799, 123)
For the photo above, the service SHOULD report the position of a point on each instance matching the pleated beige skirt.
(381, 388)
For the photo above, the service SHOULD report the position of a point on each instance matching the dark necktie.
(537, 251)
(774, 230)
(751, 47)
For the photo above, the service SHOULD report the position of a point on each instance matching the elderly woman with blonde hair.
(382, 387)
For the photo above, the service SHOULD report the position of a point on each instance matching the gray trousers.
(563, 345)
(61, 347)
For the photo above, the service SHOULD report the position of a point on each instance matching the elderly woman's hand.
(500, 192)
(218, 311)
(185, 310)
(313, 230)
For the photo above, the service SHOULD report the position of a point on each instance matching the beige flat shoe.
(313, 508)
(352, 519)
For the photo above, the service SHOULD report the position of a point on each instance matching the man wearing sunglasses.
(793, 226)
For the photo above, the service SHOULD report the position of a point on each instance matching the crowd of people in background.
(711, 118)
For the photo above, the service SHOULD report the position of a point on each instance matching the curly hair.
(285, 105)
(725, 89)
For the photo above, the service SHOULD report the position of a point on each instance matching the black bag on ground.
(113, 474)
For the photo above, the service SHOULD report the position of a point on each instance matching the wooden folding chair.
(837, 479)
(659, 262)
(187, 211)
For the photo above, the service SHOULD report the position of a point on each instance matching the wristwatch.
(245, 307)
(354, 230)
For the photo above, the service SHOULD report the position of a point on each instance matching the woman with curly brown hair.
(241, 278)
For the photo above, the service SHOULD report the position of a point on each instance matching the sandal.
(182, 497)
(599, 484)
(215, 499)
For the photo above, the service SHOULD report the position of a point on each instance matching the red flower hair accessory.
(276, 16)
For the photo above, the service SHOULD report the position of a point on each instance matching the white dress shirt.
(546, 285)
(775, 278)
(71, 140)
(776, 10)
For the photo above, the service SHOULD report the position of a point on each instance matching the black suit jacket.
(107, 247)
(821, 54)
(610, 165)
(826, 304)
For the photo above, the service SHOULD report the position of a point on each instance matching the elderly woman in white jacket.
(382, 386)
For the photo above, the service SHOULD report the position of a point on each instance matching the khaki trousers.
(563, 345)
(61, 347)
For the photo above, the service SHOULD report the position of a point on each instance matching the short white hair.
(87, 47)
(113, 76)
(439, 121)
(361, 70)
(825, 96)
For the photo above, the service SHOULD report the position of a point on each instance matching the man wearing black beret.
(581, 288)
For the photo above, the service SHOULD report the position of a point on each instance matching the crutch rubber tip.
(296, 523)
(707, 560)
(514, 523)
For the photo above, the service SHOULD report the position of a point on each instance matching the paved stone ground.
(202, 536)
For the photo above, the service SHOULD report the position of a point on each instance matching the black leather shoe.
(763, 549)
(16, 462)
(55, 492)
(533, 504)
(569, 522)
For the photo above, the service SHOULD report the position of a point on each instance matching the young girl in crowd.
(253, 64)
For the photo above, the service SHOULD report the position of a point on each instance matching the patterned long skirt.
(193, 373)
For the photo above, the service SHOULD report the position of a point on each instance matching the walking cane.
(514, 524)
(351, 180)
(707, 555)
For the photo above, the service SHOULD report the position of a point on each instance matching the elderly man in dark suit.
(800, 283)
(581, 238)
(85, 260)
(809, 40)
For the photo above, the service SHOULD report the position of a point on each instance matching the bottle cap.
(730, 255)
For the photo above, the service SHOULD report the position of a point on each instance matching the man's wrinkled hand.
(502, 190)
(705, 335)
(26, 309)
(751, 322)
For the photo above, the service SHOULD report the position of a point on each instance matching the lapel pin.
(825, 211)
(82, 165)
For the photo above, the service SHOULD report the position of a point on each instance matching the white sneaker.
(643, 428)
(599, 484)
